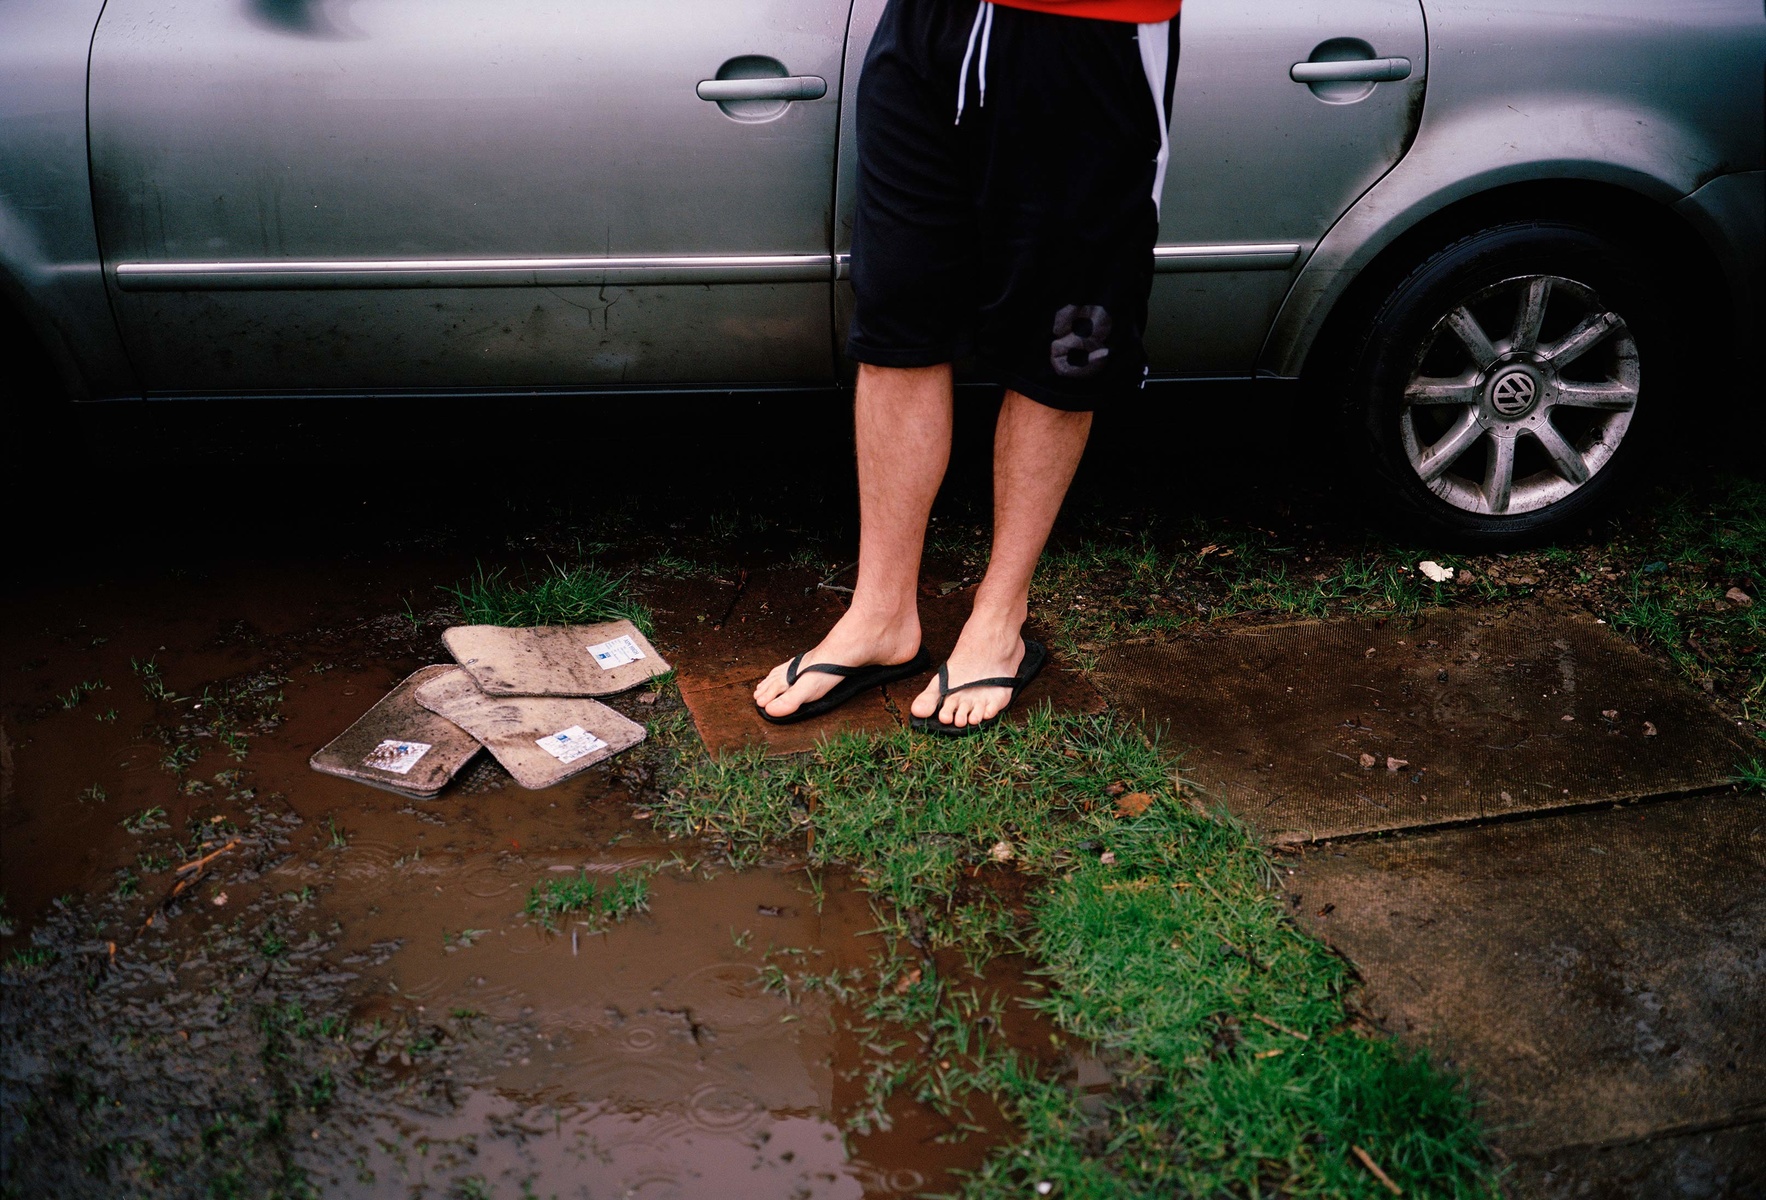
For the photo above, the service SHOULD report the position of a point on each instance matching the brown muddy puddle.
(648, 1060)
(476, 1052)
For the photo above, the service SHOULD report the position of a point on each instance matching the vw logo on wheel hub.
(1513, 392)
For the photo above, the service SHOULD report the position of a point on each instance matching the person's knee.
(929, 386)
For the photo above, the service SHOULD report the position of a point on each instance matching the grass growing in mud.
(1695, 588)
(1163, 946)
(578, 895)
(577, 595)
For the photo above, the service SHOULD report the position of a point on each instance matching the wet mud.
(224, 966)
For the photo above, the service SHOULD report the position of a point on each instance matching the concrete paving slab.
(781, 613)
(1701, 1164)
(1477, 715)
(723, 712)
(1600, 975)
(399, 745)
(555, 660)
(540, 740)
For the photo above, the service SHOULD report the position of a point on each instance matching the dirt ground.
(228, 974)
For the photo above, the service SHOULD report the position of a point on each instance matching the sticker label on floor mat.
(616, 653)
(568, 745)
(397, 757)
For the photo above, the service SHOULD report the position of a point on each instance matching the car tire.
(1495, 394)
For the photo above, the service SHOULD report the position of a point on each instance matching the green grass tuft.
(579, 595)
(30, 958)
(625, 894)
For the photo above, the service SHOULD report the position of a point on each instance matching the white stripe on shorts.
(1155, 45)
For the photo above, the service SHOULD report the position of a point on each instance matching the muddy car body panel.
(1634, 99)
(51, 275)
(304, 197)
(442, 193)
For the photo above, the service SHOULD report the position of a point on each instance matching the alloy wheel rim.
(1500, 426)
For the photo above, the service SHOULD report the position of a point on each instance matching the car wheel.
(1498, 389)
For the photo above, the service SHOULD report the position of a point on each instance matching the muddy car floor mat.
(555, 660)
(541, 740)
(400, 745)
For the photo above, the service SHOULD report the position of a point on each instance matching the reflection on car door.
(412, 194)
(1262, 165)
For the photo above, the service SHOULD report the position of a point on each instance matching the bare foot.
(855, 641)
(986, 649)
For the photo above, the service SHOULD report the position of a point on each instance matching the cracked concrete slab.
(1725, 1163)
(1326, 728)
(1600, 975)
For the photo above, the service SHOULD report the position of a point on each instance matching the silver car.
(1501, 240)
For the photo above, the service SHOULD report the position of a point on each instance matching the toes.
(788, 701)
(925, 704)
(770, 688)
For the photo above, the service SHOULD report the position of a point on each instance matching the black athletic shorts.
(1020, 231)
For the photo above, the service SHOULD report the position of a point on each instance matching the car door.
(1263, 163)
(369, 195)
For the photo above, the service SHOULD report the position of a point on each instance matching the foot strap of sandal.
(797, 670)
(945, 689)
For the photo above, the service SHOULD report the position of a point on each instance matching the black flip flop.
(1032, 662)
(854, 680)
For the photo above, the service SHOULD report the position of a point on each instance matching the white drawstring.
(1155, 47)
(981, 31)
(986, 37)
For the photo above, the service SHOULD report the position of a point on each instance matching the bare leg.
(1036, 450)
(903, 421)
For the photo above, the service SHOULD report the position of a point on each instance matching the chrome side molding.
(300, 275)
(277, 275)
(1250, 256)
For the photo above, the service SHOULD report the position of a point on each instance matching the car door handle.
(789, 87)
(1354, 70)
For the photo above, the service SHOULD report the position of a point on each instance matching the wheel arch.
(1621, 212)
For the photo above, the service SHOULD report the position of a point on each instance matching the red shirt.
(1139, 12)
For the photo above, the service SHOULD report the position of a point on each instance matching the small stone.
(1434, 572)
(1649, 729)
(1001, 852)
(219, 899)
(1108, 858)
(1368, 760)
